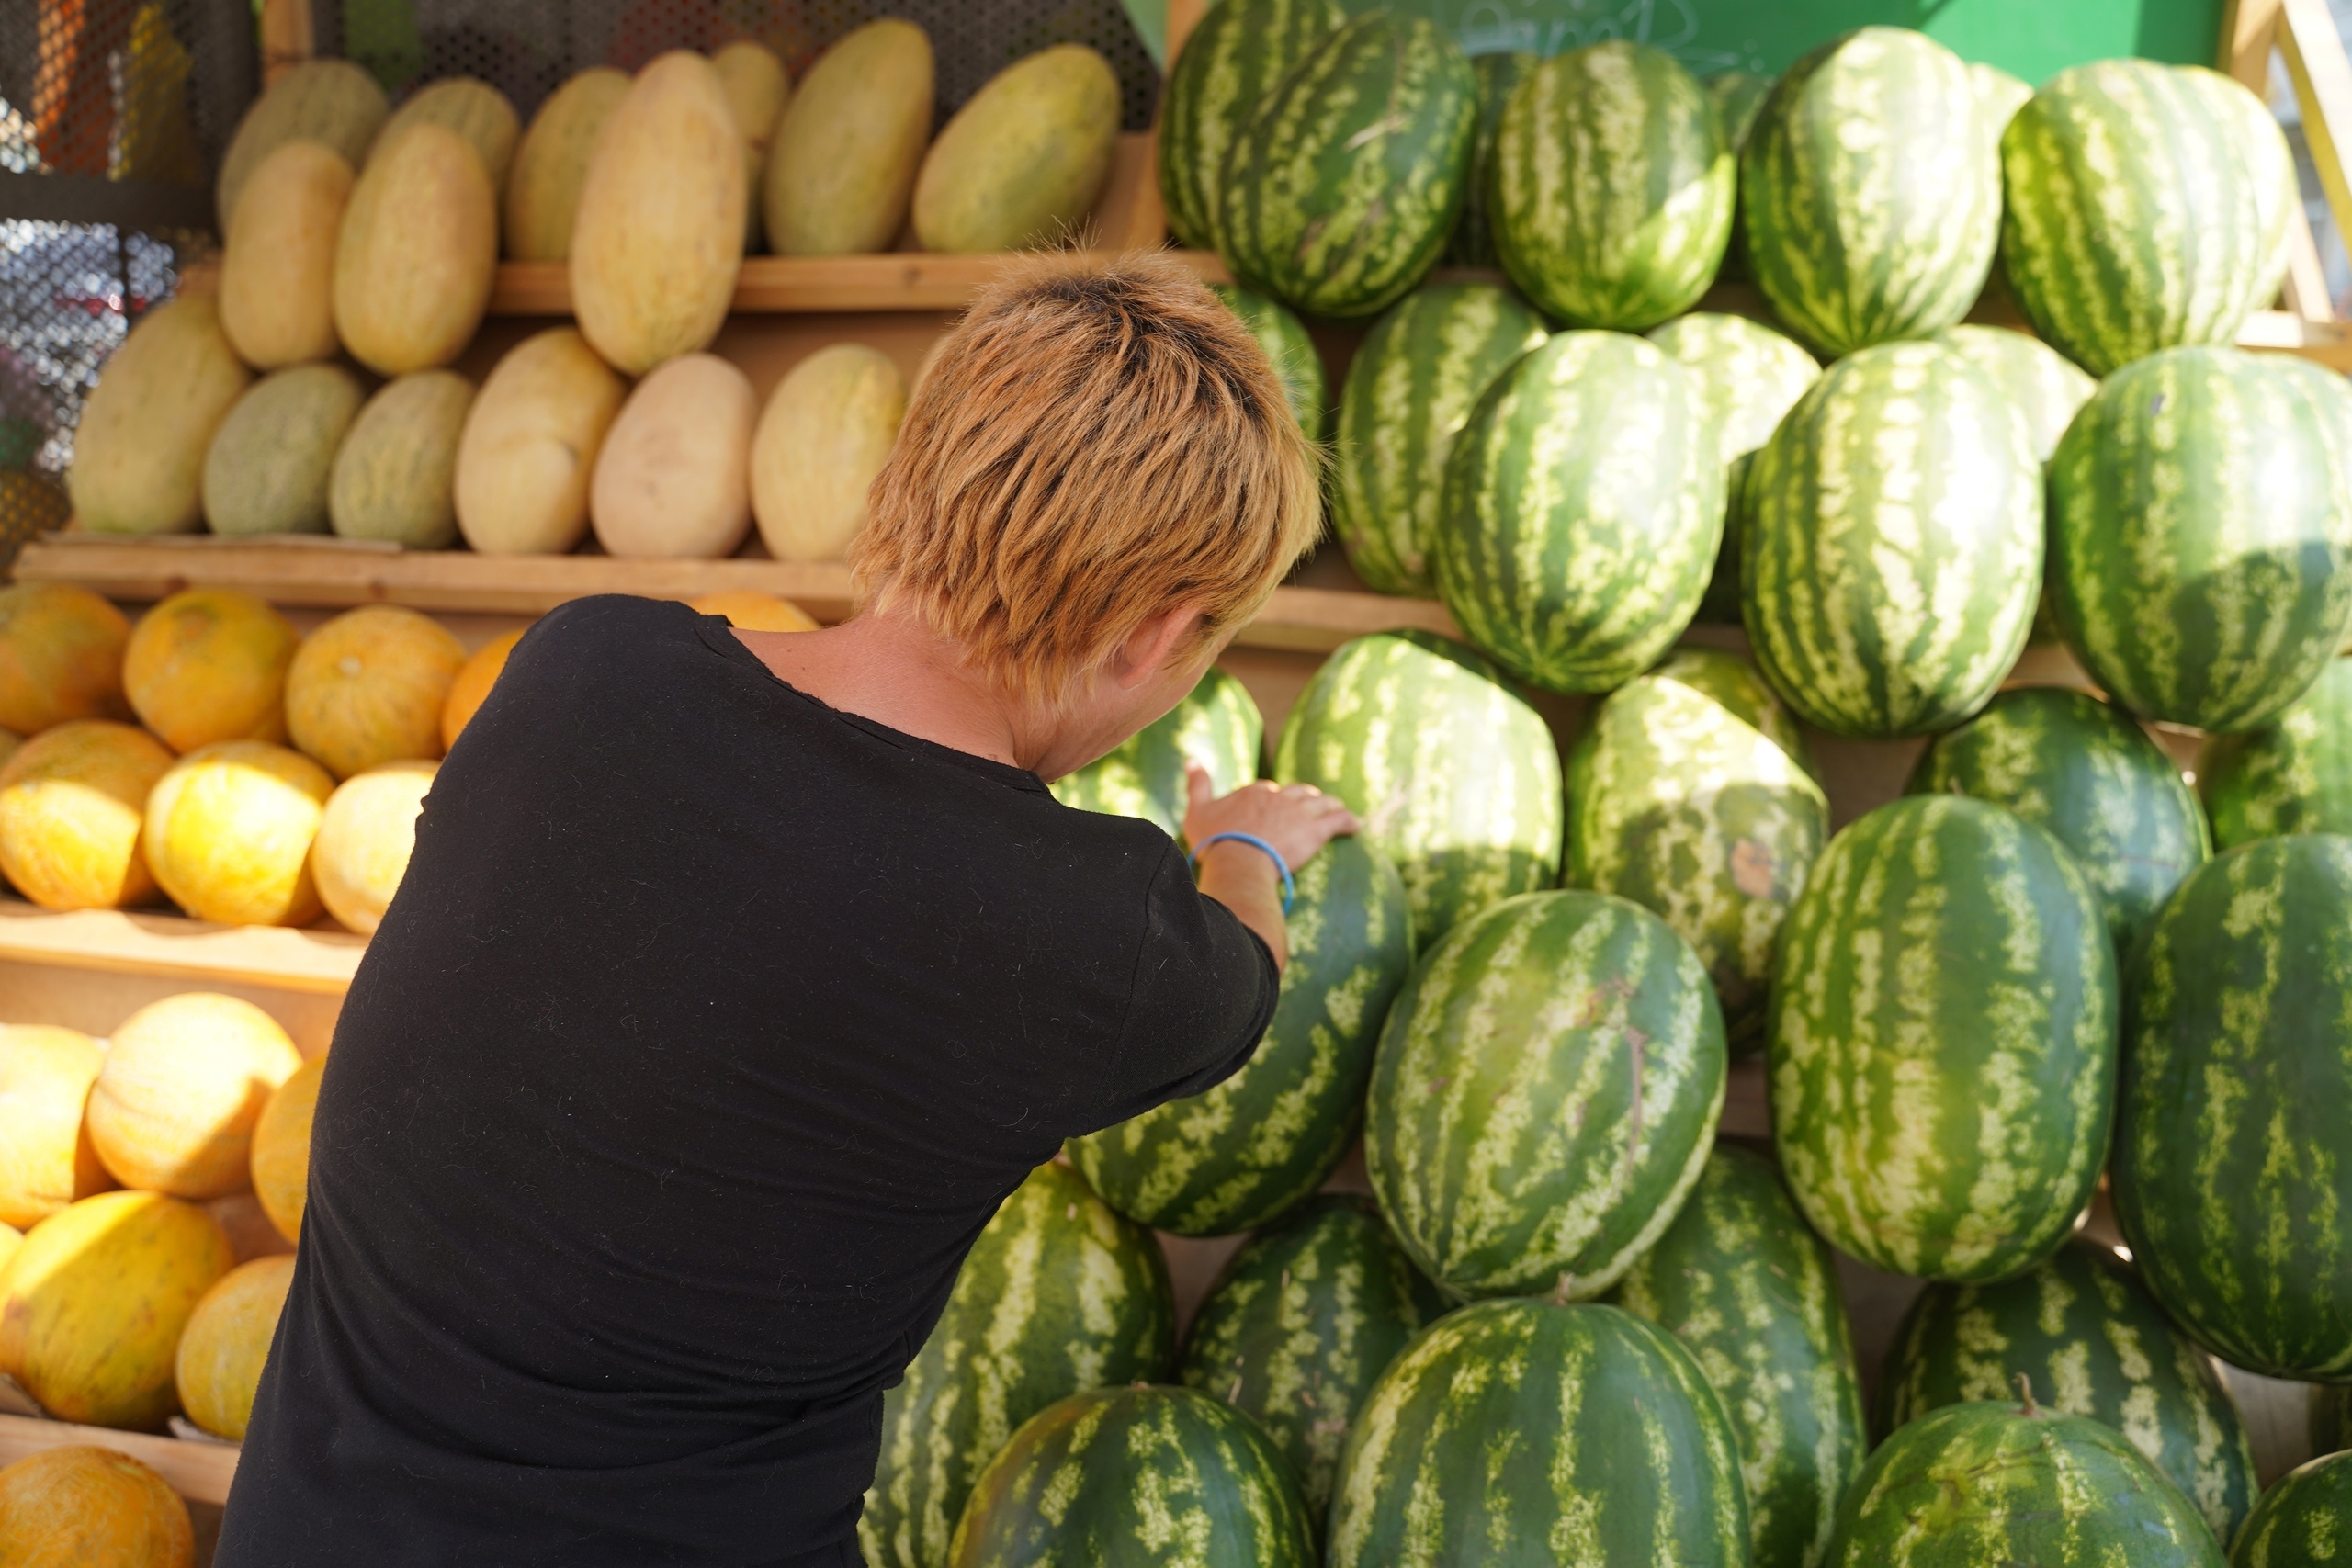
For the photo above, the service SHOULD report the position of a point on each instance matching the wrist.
(1229, 852)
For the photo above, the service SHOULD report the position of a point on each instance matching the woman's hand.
(1297, 820)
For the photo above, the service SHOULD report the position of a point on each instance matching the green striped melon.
(2270, 170)
(1891, 546)
(1473, 244)
(1690, 793)
(1412, 384)
(1613, 187)
(2230, 1171)
(1217, 725)
(1942, 1040)
(2090, 777)
(1738, 95)
(1870, 193)
(1545, 1093)
(1288, 348)
(1998, 94)
(1141, 1477)
(2092, 1342)
(2201, 533)
(1455, 778)
(1582, 509)
(1338, 195)
(1237, 55)
(1246, 1151)
(1057, 1295)
(1520, 1434)
(2303, 1521)
(1300, 1322)
(2293, 775)
(2043, 384)
(1752, 1294)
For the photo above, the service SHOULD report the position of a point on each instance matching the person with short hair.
(739, 976)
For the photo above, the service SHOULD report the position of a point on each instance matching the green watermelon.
(1288, 348)
(2293, 775)
(2047, 388)
(1520, 1434)
(1455, 777)
(1238, 52)
(2303, 1521)
(1058, 1294)
(1984, 1485)
(1474, 236)
(1412, 384)
(1246, 1151)
(1582, 508)
(1217, 725)
(2092, 779)
(1141, 1477)
(2230, 1176)
(1690, 793)
(1300, 1322)
(1890, 550)
(2201, 533)
(2271, 169)
(1942, 1040)
(2330, 1418)
(1752, 1294)
(1613, 187)
(1546, 1094)
(1737, 96)
(1870, 193)
(1999, 96)
(1719, 606)
(1339, 193)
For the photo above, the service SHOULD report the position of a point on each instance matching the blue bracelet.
(1290, 887)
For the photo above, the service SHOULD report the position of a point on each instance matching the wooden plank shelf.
(174, 947)
(199, 1472)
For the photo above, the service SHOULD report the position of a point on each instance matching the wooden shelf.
(197, 1472)
(175, 948)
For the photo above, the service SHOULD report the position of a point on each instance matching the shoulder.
(604, 616)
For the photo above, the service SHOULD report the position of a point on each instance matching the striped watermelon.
(2303, 1521)
(1752, 1294)
(1870, 192)
(2293, 775)
(1455, 777)
(1999, 96)
(1300, 1322)
(1246, 1151)
(2331, 1418)
(1613, 187)
(1583, 505)
(1474, 236)
(1689, 792)
(2270, 170)
(1339, 193)
(1892, 548)
(1238, 52)
(2201, 533)
(1546, 1094)
(1517, 1434)
(2048, 389)
(1412, 384)
(1057, 1295)
(2001, 1485)
(2092, 1342)
(1942, 1040)
(2090, 777)
(2230, 1174)
(1141, 1477)
(1217, 725)
(1737, 96)
(1283, 337)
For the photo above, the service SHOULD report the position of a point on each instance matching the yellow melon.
(84, 1506)
(369, 686)
(471, 107)
(282, 1148)
(11, 1238)
(228, 833)
(395, 474)
(756, 612)
(10, 744)
(417, 252)
(278, 267)
(91, 1306)
(756, 90)
(138, 450)
(73, 804)
(329, 101)
(251, 1234)
(61, 656)
(472, 686)
(825, 434)
(208, 664)
(847, 147)
(551, 163)
(1022, 163)
(673, 480)
(267, 469)
(227, 1343)
(185, 1079)
(530, 445)
(365, 837)
(47, 1160)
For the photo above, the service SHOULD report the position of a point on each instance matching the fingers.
(1199, 788)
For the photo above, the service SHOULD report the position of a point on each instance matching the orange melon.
(184, 1082)
(756, 612)
(61, 656)
(208, 664)
(369, 687)
(228, 833)
(10, 744)
(282, 1148)
(365, 837)
(227, 1343)
(72, 801)
(471, 687)
(84, 1506)
(250, 1233)
(47, 1160)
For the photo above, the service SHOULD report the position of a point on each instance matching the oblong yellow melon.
(530, 445)
(673, 482)
(551, 163)
(842, 168)
(267, 468)
(47, 1160)
(228, 833)
(282, 1148)
(395, 475)
(756, 90)
(659, 236)
(72, 804)
(1023, 160)
(184, 1081)
(418, 251)
(823, 436)
(365, 837)
(328, 101)
(139, 451)
(61, 656)
(471, 107)
(85, 1507)
(11, 1238)
(278, 267)
(209, 664)
(755, 612)
(226, 1344)
(369, 686)
(472, 686)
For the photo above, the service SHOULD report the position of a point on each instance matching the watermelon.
(2293, 775)
(2303, 1521)
(1891, 549)
(2330, 1418)
(1752, 1294)
(2201, 533)
(1337, 194)
(1582, 508)
(1412, 384)
(1058, 1294)
(1454, 776)
(2092, 1342)
(1520, 1434)
(1613, 187)
(1719, 606)
(1250, 1149)
(1942, 1038)
(1288, 349)
(1233, 59)
(1870, 192)
(1217, 725)
(2092, 779)
(1138, 1477)
(2045, 386)
(1300, 1322)
(1473, 244)
(1985, 1484)
(1690, 793)
(1545, 1093)
(2230, 1175)
(1999, 96)
(1737, 96)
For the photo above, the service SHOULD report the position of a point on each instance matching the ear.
(1151, 645)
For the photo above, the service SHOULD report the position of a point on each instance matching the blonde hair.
(1090, 448)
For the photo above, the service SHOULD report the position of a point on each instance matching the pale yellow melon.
(277, 268)
(267, 468)
(72, 804)
(282, 1148)
(418, 251)
(329, 101)
(226, 1344)
(369, 686)
(530, 444)
(471, 687)
(825, 434)
(61, 656)
(85, 1507)
(185, 1079)
(551, 163)
(228, 833)
(395, 475)
(847, 148)
(1023, 160)
(47, 1160)
(11, 1238)
(364, 840)
(672, 480)
(208, 664)
(754, 611)
(471, 107)
(139, 451)
(756, 90)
